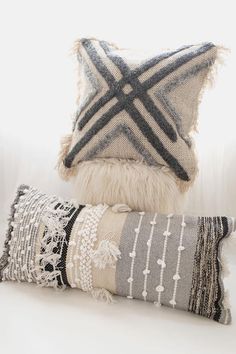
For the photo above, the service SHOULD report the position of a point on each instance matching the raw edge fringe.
(64, 172)
(21, 190)
(103, 295)
(210, 77)
(106, 255)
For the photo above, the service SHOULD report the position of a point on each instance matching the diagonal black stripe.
(113, 134)
(120, 84)
(124, 103)
(142, 94)
(162, 73)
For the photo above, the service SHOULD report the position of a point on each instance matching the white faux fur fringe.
(136, 184)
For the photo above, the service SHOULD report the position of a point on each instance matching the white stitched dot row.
(162, 262)
(132, 254)
(176, 276)
(88, 237)
(146, 271)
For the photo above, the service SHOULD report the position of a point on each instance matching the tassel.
(121, 208)
(64, 172)
(106, 254)
(102, 294)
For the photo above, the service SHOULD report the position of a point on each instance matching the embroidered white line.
(133, 255)
(160, 288)
(146, 271)
(176, 276)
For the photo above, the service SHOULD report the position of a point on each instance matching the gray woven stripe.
(136, 85)
(162, 94)
(125, 80)
(141, 94)
(117, 131)
(153, 279)
(207, 291)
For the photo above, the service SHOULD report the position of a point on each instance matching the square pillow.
(172, 260)
(133, 124)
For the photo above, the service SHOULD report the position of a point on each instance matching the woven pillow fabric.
(134, 117)
(172, 260)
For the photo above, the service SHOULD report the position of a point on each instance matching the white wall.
(38, 85)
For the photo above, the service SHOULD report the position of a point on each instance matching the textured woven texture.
(172, 260)
(139, 109)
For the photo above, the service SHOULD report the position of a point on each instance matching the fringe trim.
(55, 221)
(210, 77)
(22, 190)
(103, 295)
(106, 254)
(64, 172)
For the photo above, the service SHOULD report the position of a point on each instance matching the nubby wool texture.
(172, 260)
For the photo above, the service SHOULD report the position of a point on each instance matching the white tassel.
(121, 208)
(106, 254)
(102, 294)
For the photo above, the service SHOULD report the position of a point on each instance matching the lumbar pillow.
(172, 260)
(132, 128)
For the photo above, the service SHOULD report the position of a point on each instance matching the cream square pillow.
(131, 138)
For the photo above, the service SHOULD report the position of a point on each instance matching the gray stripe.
(113, 134)
(170, 86)
(142, 94)
(120, 84)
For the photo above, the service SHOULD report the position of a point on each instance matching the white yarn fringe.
(106, 254)
(102, 294)
(55, 221)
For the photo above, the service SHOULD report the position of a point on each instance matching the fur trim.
(134, 183)
(209, 79)
(64, 172)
